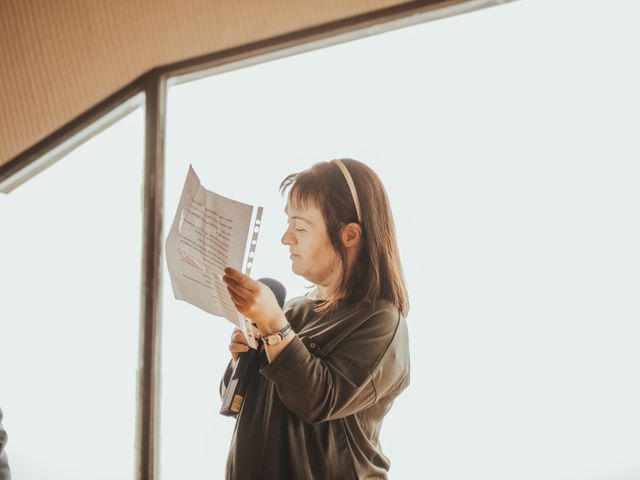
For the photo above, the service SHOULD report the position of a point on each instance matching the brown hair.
(377, 272)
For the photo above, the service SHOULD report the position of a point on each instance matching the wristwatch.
(276, 338)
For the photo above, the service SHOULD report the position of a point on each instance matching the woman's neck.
(326, 290)
(321, 293)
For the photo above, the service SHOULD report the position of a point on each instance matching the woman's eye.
(299, 229)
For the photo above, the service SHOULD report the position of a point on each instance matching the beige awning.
(60, 58)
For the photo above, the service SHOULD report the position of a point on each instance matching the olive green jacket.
(316, 411)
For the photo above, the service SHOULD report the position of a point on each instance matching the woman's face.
(312, 255)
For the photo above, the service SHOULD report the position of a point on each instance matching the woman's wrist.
(273, 326)
(272, 351)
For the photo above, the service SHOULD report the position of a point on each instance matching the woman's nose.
(286, 239)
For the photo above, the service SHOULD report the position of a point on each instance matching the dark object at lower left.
(237, 387)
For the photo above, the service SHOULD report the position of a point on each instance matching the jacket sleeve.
(5, 474)
(320, 389)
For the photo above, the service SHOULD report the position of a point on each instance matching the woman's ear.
(351, 234)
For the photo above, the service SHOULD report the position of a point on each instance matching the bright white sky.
(507, 139)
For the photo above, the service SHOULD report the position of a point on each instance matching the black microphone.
(236, 390)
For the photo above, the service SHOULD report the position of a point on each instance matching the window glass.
(70, 259)
(507, 139)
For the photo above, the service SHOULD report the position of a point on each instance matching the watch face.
(273, 340)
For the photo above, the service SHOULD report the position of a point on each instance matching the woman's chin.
(299, 271)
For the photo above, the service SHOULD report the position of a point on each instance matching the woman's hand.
(255, 301)
(238, 344)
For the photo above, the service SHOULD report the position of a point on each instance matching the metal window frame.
(150, 90)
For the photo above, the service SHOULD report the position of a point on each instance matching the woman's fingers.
(252, 299)
(238, 343)
(243, 299)
(240, 296)
(241, 279)
(237, 348)
(238, 337)
(237, 291)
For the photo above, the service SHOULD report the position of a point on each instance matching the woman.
(335, 359)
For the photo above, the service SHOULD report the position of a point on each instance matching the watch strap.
(282, 333)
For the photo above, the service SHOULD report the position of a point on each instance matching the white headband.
(352, 186)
